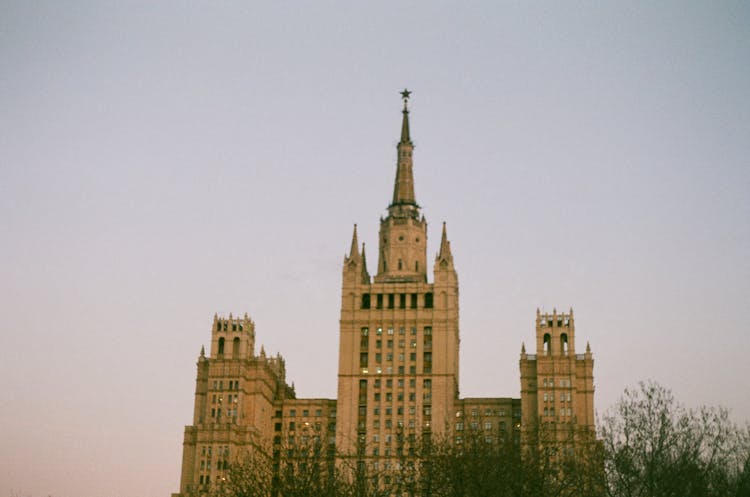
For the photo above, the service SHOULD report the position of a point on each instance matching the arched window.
(236, 348)
(564, 343)
(400, 265)
(546, 344)
(221, 346)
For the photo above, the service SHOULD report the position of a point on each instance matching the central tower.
(398, 348)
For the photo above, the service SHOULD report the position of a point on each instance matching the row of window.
(305, 413)
(317, 426)
(560, 322)
(390, 331)
(388, 300)
(377, 383)
(564, 411)
(550, 382)
(231, 385)
(563, 396)
(224, 326)
(487, 425)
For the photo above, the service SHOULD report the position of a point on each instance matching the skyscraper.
(398, 364)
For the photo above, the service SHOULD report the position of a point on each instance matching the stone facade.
(398, 364)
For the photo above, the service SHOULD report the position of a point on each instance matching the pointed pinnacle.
(354, 251)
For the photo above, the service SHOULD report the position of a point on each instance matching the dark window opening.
(390, 301)
(402, 302)
(363, 359)
(546, 344)
(400, 265)
(428, 300)
(236, 348)
(413, 300)
(221, 346)
(365, 301)
(379, 303)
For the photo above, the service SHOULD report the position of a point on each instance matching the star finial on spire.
(405, 95)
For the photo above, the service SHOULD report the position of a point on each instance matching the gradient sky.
(159, 163)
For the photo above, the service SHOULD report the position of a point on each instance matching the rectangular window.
(305, 413)
(378, 357)
(413, 301)
(365, 301)
(363, 359)
(390, 301)
(292, 413)
(402, 301)
(379, 300)
(428, 300)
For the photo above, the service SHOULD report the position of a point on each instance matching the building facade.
(398, 364)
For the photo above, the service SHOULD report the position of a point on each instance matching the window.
(379, 301)
(379, 331)
(318, 412)
(292, 413)
(474, 413)
(413, 301)
(428, 300)
(365, 301)
(402, 301)
(365, 331)
(363, 359)
(459, 426)
(390, 301)
(291, 425)
(221, 346)
(401, 331)
(390, 331)
(488, 425)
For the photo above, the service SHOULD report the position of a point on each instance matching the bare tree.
(656, 447)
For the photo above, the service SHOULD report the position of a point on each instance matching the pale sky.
(160, 163)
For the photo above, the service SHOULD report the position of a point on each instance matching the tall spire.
(403, 189)
(402, 250)
(405, 138)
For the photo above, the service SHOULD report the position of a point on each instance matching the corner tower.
(557, 384)
(398, 344)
